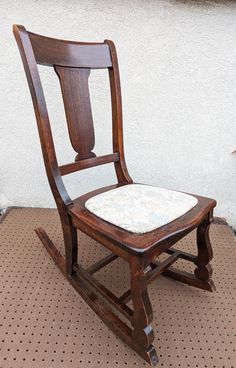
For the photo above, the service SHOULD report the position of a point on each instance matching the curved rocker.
(72, 62)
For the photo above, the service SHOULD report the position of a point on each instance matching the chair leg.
(142, 333)
(71, 245)
(70, 242)
(203, 271)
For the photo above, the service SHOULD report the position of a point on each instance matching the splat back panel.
(75, 91)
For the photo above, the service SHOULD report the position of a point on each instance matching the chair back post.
(117, 118)
(29, 62)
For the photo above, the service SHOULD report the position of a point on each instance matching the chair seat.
(108, 233)
(140, 208)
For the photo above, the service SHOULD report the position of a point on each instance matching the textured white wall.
(178, 74)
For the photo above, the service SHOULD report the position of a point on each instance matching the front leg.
(142, 334)
(205, 253)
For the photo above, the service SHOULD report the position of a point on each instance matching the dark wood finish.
(107, 294)
(184, 255)
(158, 269)
(50, 51)
(75, 92)
(119, 327)
(189, 279)
(142, 333)
(72, 61)
(87, 163)
(52, 250)
(126, 296)
(153, 272)
(102, 263)
(205, 253)
(117, 120)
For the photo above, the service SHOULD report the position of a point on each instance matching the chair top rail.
(52, 51)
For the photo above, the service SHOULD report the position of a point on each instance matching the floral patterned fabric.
(140, 208)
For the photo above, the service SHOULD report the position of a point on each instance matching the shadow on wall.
(207, 3)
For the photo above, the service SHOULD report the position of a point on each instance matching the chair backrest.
(72, 62)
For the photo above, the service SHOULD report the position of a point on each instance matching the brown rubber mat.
(45, 323)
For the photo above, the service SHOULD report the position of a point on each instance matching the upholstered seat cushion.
(140, 208)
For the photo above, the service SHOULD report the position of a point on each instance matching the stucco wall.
(178, 74)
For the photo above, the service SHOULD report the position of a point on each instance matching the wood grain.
(72, 62)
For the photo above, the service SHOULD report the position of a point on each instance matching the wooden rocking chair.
(135, 222)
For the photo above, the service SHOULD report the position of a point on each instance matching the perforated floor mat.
(45, 323)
